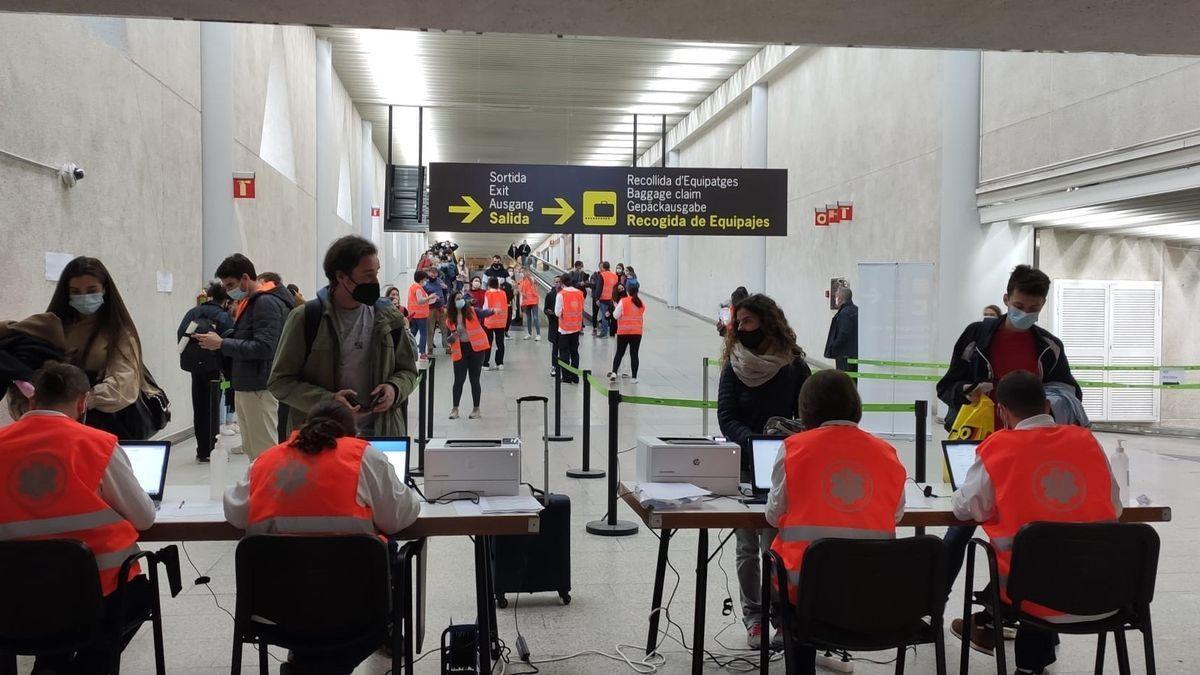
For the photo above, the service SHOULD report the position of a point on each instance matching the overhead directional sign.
(528, 198)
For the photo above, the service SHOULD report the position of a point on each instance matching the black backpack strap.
(312, 323)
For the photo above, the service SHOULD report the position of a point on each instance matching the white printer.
(489, 467)
(713, 465)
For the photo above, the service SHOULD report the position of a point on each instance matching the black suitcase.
(537, 563)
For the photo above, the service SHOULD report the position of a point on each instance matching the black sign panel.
(524, 198)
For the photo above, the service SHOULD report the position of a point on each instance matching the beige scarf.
(755, 369)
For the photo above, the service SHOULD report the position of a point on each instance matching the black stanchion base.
(560, 439)
(585, 473)
(622, 528)
(418, 472)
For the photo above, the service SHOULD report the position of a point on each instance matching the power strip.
(835, 663)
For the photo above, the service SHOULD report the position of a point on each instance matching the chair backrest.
(1084, 568)
(50, 595)
(872, 587)
(312, 591)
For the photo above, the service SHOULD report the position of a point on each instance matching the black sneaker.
(202, 460)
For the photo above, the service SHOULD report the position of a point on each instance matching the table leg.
(660, 572)
(701, 602)
(493, 624)
(482, 610)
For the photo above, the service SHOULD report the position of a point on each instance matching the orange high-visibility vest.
(52, 467)
(475, 334)
(572, 317)
(529, 297)
(497, 301)
(631, 321)
(842, 483)
(609, 279)
(417, 309)
(1057, 474)
(292, 492)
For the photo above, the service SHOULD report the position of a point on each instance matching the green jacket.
(302, 383)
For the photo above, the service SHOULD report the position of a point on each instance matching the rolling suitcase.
(537, 563)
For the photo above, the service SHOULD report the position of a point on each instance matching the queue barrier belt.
(1078, 366)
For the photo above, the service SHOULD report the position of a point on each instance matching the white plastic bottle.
(1120, 469)
(218, 467)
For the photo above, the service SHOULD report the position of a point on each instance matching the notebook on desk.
(149, 461)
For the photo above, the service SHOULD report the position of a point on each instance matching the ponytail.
(633, 295)
(327, 422)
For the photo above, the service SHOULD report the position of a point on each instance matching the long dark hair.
(633, 296)
(452, 310)
(112, 319)
(780, 338)
(327, 422)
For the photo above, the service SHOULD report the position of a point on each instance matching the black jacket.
(743, 411)
(255, 335)
(843, 333)
(970, 363)
(548, 310)
(209, 310)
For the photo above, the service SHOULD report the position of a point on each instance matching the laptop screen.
(396, 450)
(765, 451)
(960, 456)
(149, 461)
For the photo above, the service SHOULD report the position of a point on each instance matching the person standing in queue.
(340, 484)
(469, 348)
(478, 293)
(992, 312)
(529, 307)
(761, 378)
(393, 295)
(204, 366)
(418, 311)
(842, 343)
(548, 306)
(831, 478)
(629, 315)
(496, 301)
(437, 310)
(725, 311)
(568, 307)
(70, 481)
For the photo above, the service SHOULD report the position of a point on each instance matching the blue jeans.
(605, 309)
(533, 320)
(420, 328)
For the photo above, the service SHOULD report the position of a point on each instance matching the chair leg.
(1148, 642)
(939, 647)
(264, 668)
(968, 591)
(1122, 652)
(900, 660)
(160, 659)
(1101, 643)
(998, 631)
(236, 668)
(8, 664)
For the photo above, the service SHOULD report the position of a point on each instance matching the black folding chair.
(51, 602)
(318, 594)
(1084, 569)
(864, 595)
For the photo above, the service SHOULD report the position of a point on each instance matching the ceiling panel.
(1172, 216)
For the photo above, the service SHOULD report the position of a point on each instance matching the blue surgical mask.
(1021, 320)
(460, 303)
(236, 293)
(87, 303)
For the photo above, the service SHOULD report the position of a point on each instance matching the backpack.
(194, 358)
(313, 309)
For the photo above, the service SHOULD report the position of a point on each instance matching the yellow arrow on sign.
(472, 209)
(563, 211)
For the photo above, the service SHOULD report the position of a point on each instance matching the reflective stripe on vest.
(572, 318)
(809, 533)
(416, 308)
(631, 322)
(292, 492)
(496, 300)
(313, 525)
(1066, 480)
(46, 527)
(475, 334)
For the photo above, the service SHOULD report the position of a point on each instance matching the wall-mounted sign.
(830, 215)
(526, 198)
(243, 185)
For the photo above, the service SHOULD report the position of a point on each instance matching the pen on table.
(182, 502)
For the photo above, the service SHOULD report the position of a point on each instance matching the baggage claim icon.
(600, 208)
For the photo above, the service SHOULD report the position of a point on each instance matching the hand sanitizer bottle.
(1120, 469)
(218, 467)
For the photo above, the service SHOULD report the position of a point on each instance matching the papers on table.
(670, 495)
(190, 511)
(518, 504)
(914, 497)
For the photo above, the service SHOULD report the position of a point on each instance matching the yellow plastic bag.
(974, 422)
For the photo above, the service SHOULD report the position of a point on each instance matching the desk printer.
(489, 467)
(713, 465)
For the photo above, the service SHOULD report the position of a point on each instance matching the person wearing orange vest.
(323, 481)
(629, 314)
(568, 307)
(608, 284)
(529, 306)
(70, 481)
(1034, 470)
(496, 324)
(418, 310)
(832, 480)
(469, 347)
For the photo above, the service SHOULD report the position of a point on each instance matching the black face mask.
(366, 294)
(751, 339)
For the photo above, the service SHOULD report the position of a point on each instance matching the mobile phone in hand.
(352, 400)
(376, 399)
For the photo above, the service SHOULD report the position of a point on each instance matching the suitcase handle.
(530, 399)
(545, 437)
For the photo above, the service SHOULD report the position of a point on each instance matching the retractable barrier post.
(430, 392)
(610, 526)
(558, 434)
(922, 418)
(587, 471)
(704, 379)
(422, 387)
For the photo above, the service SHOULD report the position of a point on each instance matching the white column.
(219, 233)
(758, 160)
(672, 253)
(327, 160)
(366, 182)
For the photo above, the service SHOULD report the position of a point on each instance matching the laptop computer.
(763, 451)
(959, 456)
(395, 448)
(149, 460)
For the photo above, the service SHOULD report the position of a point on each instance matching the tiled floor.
(612, 578)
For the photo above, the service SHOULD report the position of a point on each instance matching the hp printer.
(465, 468)
(715, 466)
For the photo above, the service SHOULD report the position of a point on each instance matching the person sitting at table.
(323, 480)
(68, 480)
(831, 480)
(1034, 470)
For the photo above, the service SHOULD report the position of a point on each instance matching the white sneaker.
(454, 413)
(475, 414)
(227, 430)
(500, 367)
(612, 377)
(239, 450)
(236, 429)
(526, 338)
(625, 375)
(633, 380)
(537, 338)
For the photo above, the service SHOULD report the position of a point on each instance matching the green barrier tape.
(569, 369)
(225, 384)
(889, 407)
(669, 402)
(712, 362)
(899, 364)
(1121, 385)
(889, 376)
(1088, 366)
(1077, 366)
(600, 388)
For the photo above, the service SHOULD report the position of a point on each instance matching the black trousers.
(468, 366)
(634, 343)
(206, 401)
(92, 661)
(568, 350)
(496, 336)
(552, 336)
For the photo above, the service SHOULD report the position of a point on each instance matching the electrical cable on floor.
(205, 581)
